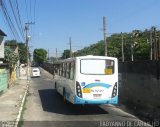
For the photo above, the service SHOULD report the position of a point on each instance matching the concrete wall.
(48, 67)
(4, 73)
(139, 86)
(1, 48)
(23, 70)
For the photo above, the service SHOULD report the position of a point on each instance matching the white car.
(36, 72)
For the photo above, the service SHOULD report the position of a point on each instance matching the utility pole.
(132, 45)
(105, 37)
(158, 48)
(155, 44)
(70, 44)
(151, 42)
(48, 54)
(27, 39)
(56, 53)
(122, 47)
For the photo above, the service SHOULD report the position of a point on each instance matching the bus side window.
(66, 66)
(69, 70)
(61, 70)
(57, 69)
(54, 69)
(72, 66)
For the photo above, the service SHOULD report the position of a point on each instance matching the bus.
(87, 79)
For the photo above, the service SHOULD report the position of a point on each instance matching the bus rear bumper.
(78, 100)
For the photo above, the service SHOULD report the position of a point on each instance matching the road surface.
(45, 108)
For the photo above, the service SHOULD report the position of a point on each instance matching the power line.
(5, 21)
(11, 13)
(17, 20)
(9, 20)
(30, 10)
(26, 9)
(35, 9)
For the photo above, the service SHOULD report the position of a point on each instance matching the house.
(2, 35)
(3, 67)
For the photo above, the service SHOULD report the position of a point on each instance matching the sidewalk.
(10, 101)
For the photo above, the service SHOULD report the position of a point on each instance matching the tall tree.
(22, 49)
(10, 56)
(39, 55)
(136, 41)
(66, 54)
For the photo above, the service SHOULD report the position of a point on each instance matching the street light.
(29, 38)
(133, 45)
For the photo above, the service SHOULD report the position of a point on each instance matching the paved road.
(45, 108)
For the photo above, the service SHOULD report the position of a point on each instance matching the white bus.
(87, 79)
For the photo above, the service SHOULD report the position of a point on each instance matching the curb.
(21, 107)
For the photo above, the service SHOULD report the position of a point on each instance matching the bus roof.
(96, 57)
(85, 57)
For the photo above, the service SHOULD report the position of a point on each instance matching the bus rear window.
(97, 66)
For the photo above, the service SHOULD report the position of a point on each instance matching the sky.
(82, 20)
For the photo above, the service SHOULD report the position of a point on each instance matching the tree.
(53, 59)
(66, 54)
(10, 43)
(140, 50)
(10, 56)
(39, 55)
(22, 49)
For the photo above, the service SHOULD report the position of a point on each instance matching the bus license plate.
(97, 95)
(86, 90)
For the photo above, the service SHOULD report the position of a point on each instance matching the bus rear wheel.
(55, 86)
(64, 97)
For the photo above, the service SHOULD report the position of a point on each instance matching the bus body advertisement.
(87, 79)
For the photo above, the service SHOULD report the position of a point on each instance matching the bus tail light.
(114, 92)
(78, 90)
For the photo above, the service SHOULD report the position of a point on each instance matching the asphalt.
(11, 102)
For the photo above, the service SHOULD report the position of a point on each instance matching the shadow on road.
(53, 102)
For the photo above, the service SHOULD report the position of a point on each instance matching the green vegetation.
(66, 54)
(22, 52)
(11, 55)
(138, 40)
(39, 55)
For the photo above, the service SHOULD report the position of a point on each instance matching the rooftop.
(2, 33)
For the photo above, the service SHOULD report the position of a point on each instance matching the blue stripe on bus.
(78, 100)
(97, 84)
